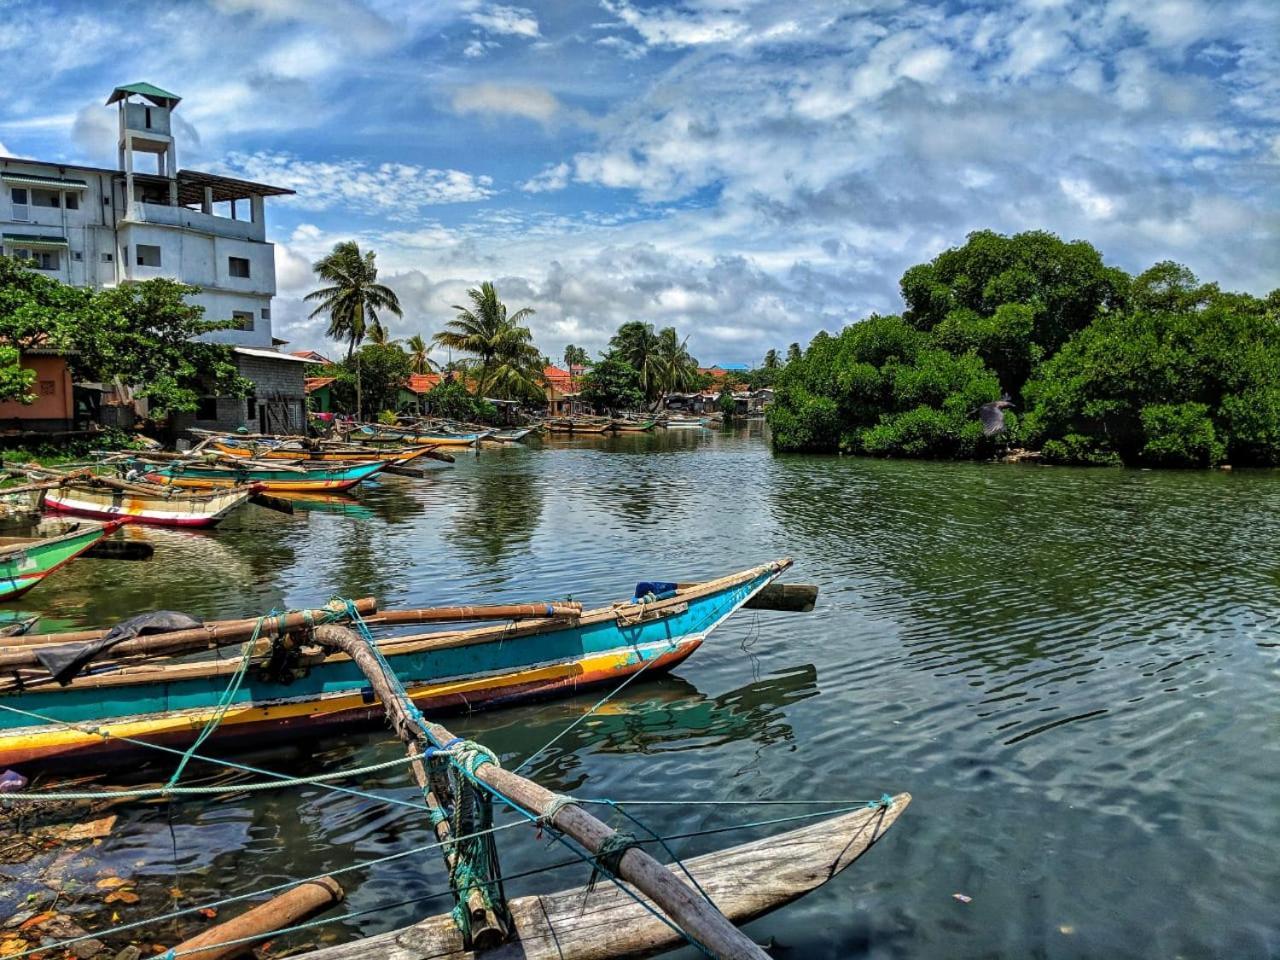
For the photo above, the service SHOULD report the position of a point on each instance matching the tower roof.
(161, 98)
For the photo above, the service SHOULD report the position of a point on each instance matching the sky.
(749, 172)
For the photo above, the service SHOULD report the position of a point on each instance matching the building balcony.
(187, 219)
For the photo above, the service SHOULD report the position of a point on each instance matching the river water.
(1074, 672)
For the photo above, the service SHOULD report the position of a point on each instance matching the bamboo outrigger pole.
(687, 909)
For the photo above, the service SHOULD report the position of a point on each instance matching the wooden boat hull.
(645, 427)
(282, 481)
(511, 436)
(744, 882)
(458, 670)
(22, 567)
(323, 456)
(176, 511)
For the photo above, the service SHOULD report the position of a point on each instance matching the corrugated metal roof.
(153, 93)
(34, 240)
(270, 355)
(35, 180)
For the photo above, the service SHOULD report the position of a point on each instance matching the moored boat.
(511, 436)
(25, 561)
(319, 454)
(151, 503)
(302, 476)
(634, 426)
(442, 670)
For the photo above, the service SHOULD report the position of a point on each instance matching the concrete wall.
(54, 403)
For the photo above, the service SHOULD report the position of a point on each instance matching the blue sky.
(750, 172)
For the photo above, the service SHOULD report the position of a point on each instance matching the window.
(251, 408)
(20, 209)
(207, 408)
(77, 255)
(40, 259)
(266, 313)
(73, 201)
(148, 109)
(148, 255)
(46, 198)
(243, 318)
(108, 258)
(238, 266)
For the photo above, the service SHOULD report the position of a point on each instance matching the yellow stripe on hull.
(55, 740)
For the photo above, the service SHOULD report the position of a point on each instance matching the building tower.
(146, 127)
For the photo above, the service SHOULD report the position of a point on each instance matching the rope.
(214, 789)
(205, 758)
(609, 856)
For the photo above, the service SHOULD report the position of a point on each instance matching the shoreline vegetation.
(1156, 370)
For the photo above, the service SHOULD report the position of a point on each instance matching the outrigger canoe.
(321, 454)
(25, 561)
(446, 670)
(634, 426)
(342, 475)
(158, 504)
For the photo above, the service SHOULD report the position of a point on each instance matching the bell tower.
(145, 127)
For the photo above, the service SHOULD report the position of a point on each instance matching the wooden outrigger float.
(323, 453)
(546, 651)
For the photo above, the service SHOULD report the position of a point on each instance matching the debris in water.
(962, 898)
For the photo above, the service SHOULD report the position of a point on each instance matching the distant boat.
(634, 426)
(682, 423)
(25, 561)
(511, 436)
(323, 476)
(326, 454)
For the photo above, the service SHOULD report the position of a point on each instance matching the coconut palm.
(677, 370)
(637, 345)
(507, 365)
(575, 357)
(352, 298)
(420, 355)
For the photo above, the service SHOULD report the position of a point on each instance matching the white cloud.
(554, 177)
(1096, 206)
(395, 190)
(677, 27)
(500, 99)
(303, 57)
(504, 20)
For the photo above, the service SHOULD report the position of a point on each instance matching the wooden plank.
(745, 882)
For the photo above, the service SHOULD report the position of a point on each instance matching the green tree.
(793, 352)
(451, 400)
(420, 354)
(636, 345)
(34, 310)
(575, 357)
(772, 361)
(508, 366)
(612, 384)
(352, 298)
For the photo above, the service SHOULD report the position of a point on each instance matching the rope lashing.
(558, 802)
(884, 803)
(609, 857)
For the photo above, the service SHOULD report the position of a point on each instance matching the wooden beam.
(687, 908)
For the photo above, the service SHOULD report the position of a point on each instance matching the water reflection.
(666, 715)
(499, 512)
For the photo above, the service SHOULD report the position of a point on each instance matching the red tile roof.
(310, 355)
(561, 380)
(315, 383)
(422, 382)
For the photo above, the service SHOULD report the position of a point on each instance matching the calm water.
(1073, 671)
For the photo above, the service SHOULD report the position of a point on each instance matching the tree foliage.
(508, 366)
(381, 370)
(612, 384)
(1156, 369)
(353, 296)
(141, 335)
(451, 400)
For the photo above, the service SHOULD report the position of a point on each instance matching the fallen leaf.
(110, 883)
(175, 893)
(115, 917)
(84, 831)
(209, 912)
(9, 948)
(38, 919)
(123, 896)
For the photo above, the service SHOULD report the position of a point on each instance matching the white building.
(100, 227)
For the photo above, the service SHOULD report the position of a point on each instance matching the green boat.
(25, 561)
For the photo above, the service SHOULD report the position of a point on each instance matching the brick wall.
(277, 388)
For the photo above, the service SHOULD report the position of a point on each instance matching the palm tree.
(420, 355)
(636, 344)
(508, 365)
(677, 369)
(352, 298)
(575, 357)
(771, 360)
(379, 335)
